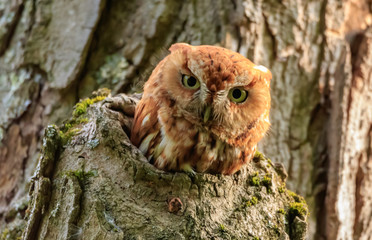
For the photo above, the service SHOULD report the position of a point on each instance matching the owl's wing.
(145, 127)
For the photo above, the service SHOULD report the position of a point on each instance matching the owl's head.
(216, 89)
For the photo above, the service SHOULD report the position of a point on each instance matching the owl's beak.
(207, 113)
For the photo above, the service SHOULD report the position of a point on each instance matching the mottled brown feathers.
(171, 127)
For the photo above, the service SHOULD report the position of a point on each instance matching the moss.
(222, 229)
(249, 203)
(296, 198)
(281, 189)
(254, 180)
(4, 234)
(254, 200)
(276, 230)
(81, 107)
(68, 130)
(258, 195)
(66, 136)
(266, 181)
(297, 209)
(70, 124)
(224, 233)
(105, 92)
(13, 232)
(281, 211)
(82, 176)
(258, 156)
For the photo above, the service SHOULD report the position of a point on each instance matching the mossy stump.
(95, 184)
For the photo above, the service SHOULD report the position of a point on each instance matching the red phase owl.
(204, 109)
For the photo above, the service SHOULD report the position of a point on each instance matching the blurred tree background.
(55, 52)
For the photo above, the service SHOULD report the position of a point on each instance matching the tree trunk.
(53, 53)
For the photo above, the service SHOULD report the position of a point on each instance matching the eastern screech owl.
(204, 108)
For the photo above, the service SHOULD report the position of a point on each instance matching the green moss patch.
(297, 210)
(66, 137)
(4, 234)
(297, 198)
(267, 182)
(247, 203)
(254, 180)
(222, 229)
(281, 189)
(81, 175)
(275, 228)
(81, 107)
(254, 201)
(68, 130)
(281, 211)
(13, 232)
(258, 156)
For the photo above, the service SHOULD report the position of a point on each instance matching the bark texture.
(52, 53)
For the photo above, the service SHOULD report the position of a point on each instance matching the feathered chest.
(173, 143)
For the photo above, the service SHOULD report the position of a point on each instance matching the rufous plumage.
(204, 109)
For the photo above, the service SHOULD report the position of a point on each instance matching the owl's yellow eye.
(190, 82)
(238, 95)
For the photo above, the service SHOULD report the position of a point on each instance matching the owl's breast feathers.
(175, 144)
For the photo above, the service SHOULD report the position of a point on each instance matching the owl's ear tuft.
(179, 46)
(264, 72)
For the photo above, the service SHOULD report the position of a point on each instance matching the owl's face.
(216, 89)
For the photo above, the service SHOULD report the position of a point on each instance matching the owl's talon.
(191, 174)
(188, 170)
(122, 102)
(123, 107)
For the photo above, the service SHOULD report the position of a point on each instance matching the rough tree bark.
(52, 53)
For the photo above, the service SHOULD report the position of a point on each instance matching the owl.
(204, 109)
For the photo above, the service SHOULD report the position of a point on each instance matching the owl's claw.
(123, 106)
(123, 103)
(191, 174)
(189, 170)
